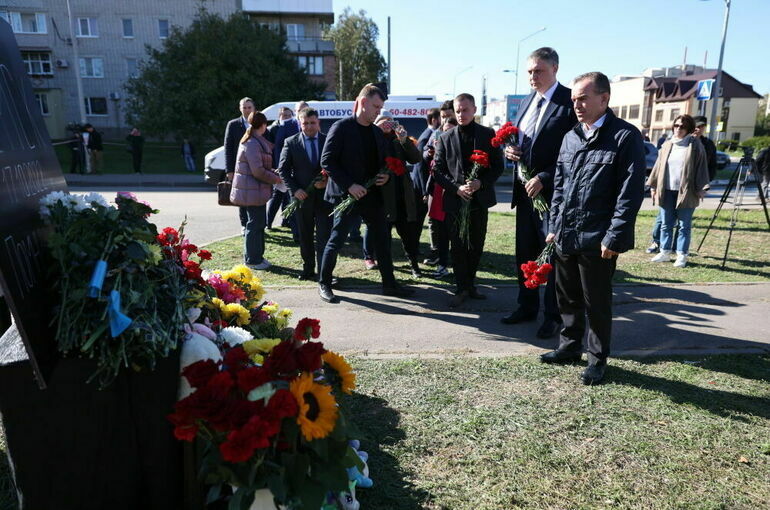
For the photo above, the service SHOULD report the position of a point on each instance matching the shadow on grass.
(8, 499)
(378, 425)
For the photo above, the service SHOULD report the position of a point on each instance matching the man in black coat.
(355, 152)
(711, 150)
(451, 170)
(299, 166)
(598, 189)
(235, 130)
(544, 118)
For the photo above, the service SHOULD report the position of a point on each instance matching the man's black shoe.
(416, 273)
(430, 261)
(459, 299)
(307, 277)
(549, 328)
(558, 356)
(518, 316)
(475, 294)
(335, 281)
(397, 291)
(593, 374)
(325, 291)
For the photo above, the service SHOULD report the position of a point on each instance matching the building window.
(674, 114)
(128, 28)
(659, 116)
(42, 102)
(314, 65)
(736, 137)
(633, 111)
(87, 27)
(37, 62)
(295, 31)
(96, 105)
(132, 67)
(91, 67)
(163, 28)
(26, 22)
(623, 111)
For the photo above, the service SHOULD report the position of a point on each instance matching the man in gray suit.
(299, 166)
(233, 134)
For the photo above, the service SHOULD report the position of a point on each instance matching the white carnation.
(53, 197)
(96, 198)
(234, 335)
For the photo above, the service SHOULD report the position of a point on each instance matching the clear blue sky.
(431, 41)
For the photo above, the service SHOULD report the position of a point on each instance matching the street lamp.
(518, 49)
(718, 82)
(454, 80)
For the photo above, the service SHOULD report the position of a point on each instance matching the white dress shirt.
(589, 130)
(533, 106)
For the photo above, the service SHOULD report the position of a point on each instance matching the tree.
(355, 43)
(190, 87)
(762, 126)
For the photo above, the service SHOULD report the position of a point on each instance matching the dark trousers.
(279, 200)
(466, 256)
(377, 227)
(530, 241)
(243, 216)
(408, 231)
(254, 239)
(439, 241)
(136, 160)
(584, 288)
(313, 215)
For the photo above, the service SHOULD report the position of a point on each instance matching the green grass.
(157, 158)
(487, 433)
(749, 258)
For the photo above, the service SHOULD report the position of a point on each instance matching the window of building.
(132, 67)
(674, 114)
(87, 27)
(314, 65)
(37, 62)
(163, 28)
(295, 31)
(91, 67)
(26, 22)
(128, 28)
(633, 111)
(42, 102)
(96, 105)
(736, 137)
(658, 115)
(623, 112)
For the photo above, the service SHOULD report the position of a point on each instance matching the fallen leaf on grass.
(661, 423)
(590, 439)
(743, 460)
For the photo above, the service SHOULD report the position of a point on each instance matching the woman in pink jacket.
(252, 186)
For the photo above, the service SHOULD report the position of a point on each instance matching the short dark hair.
(464, 97)
(546, 54)
(446, 105)
(308, 112)
(600, 81)
(700, 119)
(370, 90)
(688, 123)
(433, 114)
(250, 100)
(451, 120)
(284, 108)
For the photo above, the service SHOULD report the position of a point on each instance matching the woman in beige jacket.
(252, 186)
(678, 183)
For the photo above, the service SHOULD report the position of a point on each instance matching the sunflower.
(347, 377)
(256, 349)
(317, 407)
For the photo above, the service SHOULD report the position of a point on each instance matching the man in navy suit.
(355, 152)
(287, 125)
(235, 130)
(545, 116)
(299, 166)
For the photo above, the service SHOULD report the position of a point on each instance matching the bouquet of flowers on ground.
(120, 289)
(536, 271)
(508, 134)
(268, 417)
(393, 166)
(310, 189)
(480, 161)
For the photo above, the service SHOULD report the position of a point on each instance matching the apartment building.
(111, 36)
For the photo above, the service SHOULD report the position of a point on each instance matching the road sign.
(705, 90)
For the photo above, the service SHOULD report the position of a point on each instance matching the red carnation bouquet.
(480, 161)
(393, 166)
(536, 271)
(508, 134)
(310, 189)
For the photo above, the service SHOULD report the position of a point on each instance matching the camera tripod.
(746, 167)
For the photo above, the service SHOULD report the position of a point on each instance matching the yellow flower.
(233, 310)
(343, 369)
(317, 407)
(271, 308)
(257, 289)
(218, 303)
(243, 272)
(260, 345)
(285, 313)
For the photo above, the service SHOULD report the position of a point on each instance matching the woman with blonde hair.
(678, 182)
(252, 187)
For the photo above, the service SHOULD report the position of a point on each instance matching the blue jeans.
(670, 215)
(189, 162)
(254, 240)
(368, 245)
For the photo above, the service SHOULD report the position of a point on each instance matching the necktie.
(529, 129)
(313, 151)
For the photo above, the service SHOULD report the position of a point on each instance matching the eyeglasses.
(678, 126)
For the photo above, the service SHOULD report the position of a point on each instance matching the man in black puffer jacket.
(598, 189)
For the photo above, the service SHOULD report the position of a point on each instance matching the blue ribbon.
(118, 321)
(97, 279)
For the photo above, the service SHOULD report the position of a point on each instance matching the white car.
(214, 166)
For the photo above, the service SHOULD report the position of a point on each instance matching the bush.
(758, 142)
(727, 145)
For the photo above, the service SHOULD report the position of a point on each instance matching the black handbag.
(223, 192)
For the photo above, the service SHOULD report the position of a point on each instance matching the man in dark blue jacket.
(233, 134)
(598, 189)
(355, 152)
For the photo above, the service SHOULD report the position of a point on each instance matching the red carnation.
(395, 165)
(307, 329)
(204, 254)
(282, 404)
(282, 360)
(252, 377)
(168, 237)
(235, 358)
(199, 373)
(239, 447)
(192, 270)
(480, 157)
(309, 356)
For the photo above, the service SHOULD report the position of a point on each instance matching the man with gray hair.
(598, 189)
(233, 134)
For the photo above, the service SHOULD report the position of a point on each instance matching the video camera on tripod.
(748, 152)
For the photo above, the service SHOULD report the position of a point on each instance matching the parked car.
(214, 166)
(723, 160)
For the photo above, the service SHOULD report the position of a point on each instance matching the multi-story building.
(111, 36)
(652, 101)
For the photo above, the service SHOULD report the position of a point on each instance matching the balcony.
(317, 8)
(310, 45)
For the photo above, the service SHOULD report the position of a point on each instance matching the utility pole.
(390, 62)
(76, 67)
(718, 83)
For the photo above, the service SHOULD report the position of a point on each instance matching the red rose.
(307, 328)
(252, 377)
(395, 165)
(199, 373)
(309, 356)
(204, 255)
(282, 404)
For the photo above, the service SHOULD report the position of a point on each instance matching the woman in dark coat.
(136, 146)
